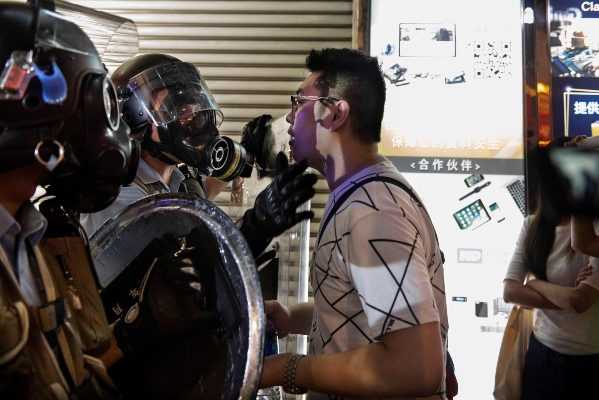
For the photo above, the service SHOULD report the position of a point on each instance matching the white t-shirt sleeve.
(388, 268)
(516, 269)
(593, 279)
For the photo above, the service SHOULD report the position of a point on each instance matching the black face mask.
(172, 96)
(100, 157)
(59, 109)
(195, 141)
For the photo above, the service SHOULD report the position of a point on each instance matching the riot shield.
(222, 364)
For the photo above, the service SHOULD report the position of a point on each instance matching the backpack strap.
(358, 185)
(343, 198)
(188, 185)
(192, 185)
(53, 316)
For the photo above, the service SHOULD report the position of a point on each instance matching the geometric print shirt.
(377, 268)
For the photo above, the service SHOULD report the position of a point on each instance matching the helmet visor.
(114, 37)
(173, 91)
(56, 31)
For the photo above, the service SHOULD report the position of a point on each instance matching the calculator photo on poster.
(472, 216)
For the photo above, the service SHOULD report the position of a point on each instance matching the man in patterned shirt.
(378, 324)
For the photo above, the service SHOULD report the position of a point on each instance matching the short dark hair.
(355, 77)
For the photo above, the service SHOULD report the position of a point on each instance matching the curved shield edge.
(122, 238)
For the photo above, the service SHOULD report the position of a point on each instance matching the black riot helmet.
(160, 90)
(59, 108)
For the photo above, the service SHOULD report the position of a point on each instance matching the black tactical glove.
(275, 209)
(258, 145)
(171, 300)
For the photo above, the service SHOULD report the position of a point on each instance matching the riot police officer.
(60, 128)
(172, 112)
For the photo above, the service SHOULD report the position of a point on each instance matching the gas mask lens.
(111, 105)
(192, 121)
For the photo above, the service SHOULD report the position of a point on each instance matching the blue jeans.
(550, 375)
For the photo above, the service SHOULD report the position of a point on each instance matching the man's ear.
(341, 114)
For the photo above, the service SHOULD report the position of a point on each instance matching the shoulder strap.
(149, 188)
(53, 315)
(385, 179)
(192, 185)
(351, 190)
(45, 362)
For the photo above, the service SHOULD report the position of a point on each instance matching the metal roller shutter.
(251, 53)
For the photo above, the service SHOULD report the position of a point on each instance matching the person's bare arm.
(405, 363)
(584, 238)
(113, 353)
(577, 299)
(517, 293)
(214, 187)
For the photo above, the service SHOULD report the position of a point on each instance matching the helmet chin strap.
(156, 149)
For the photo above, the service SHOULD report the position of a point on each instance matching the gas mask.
(175, 98)
(59, 109)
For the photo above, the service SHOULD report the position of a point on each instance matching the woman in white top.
(563, 356)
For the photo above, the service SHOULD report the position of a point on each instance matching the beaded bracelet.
(289, 375)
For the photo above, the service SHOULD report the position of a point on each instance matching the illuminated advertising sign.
(454, 126)
(581, 113)
(454, 84)
(574, 44)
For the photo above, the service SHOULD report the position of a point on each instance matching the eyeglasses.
(295, 101)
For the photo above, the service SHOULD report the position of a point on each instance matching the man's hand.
(275, 209)
(296, 318)
(172, 299)
(280, 317)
